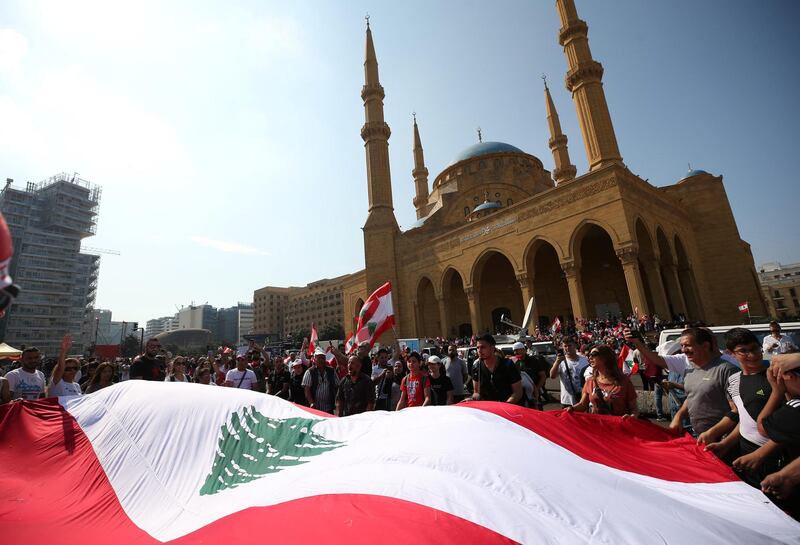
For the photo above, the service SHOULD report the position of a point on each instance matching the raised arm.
(58, 370)
(646, 353)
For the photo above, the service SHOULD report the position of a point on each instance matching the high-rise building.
(234, 322)
(101, 328)
(48, 221)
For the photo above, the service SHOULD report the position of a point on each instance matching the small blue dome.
(487, 205)
(695, 172)
(484, 148)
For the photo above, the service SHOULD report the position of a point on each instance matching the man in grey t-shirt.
(456, 370)
(706, 375)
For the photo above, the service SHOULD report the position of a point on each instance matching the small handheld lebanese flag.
(625, 361)
(376, 316)
(556, 327)
(744, 307)
(350, 345)
(330, 359)
(312, 343)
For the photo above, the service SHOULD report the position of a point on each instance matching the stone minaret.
(380, 231)
(375, 134)
(564, 170)
(420, 174)
(584, 82)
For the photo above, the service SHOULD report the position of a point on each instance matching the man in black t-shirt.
(280, 381)
(495, 378)
(146, 366)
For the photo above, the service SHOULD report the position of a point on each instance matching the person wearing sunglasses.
(607, 390)
(62, 379)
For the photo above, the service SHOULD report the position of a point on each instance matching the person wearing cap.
(441, 386)
(495, 378)
(320, 384)
(241, 376)
(535, 367)
(297, 394)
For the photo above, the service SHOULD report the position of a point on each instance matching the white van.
(792, 329)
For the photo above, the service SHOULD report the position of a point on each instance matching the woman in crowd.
(62, 379)
(178, 371)
(103, 376)
(203, 376)
(607, 390)
(441, 386)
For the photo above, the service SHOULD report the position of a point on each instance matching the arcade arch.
(497, 290)
(603, 281)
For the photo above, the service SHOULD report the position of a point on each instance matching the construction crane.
(91, 250)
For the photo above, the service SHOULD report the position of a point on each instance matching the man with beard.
(146, 366)
(356, 393)
(27, 382)
(280, 381)
(456, 370)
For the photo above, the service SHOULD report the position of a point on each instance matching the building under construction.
(48, 221)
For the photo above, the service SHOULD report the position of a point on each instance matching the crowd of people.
(735, 406)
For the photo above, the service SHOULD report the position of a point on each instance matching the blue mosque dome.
(484, 148)
(695, 172)
(487, 205)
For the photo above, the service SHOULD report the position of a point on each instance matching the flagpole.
(749, 318)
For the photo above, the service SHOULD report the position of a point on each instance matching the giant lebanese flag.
(146, 463)
(376, 315)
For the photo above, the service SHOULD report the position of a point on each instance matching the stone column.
(474, 309)
(443, 316)
(629, 257)
(527, 292)
(572, 272)
(656, 284)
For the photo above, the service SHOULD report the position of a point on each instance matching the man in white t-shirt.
(569, 367)
(241, 376)
(27, 382)
(776, 342)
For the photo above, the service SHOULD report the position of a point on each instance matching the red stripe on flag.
(69, 499)
(632, 445)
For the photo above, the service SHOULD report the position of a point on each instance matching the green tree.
(130, 346)
(331, 332)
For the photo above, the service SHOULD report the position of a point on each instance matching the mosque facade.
(496, 228)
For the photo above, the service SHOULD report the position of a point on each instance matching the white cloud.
(228, 247)
(13, 47)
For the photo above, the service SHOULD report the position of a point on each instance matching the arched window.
(466, 210)
(509, 202)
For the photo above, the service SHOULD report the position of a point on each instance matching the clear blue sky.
(226, 138)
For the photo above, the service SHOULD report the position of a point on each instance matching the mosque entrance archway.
(427, 310)
(498, 291)
(603, 280)
(550, 289)
(456, 305)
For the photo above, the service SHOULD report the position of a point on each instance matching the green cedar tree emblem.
(252, 445)
(371, 327)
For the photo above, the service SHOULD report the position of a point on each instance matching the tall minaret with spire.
(375, 134)
(564, 170)
(420, 174)
(380, 230)
(584, 81)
